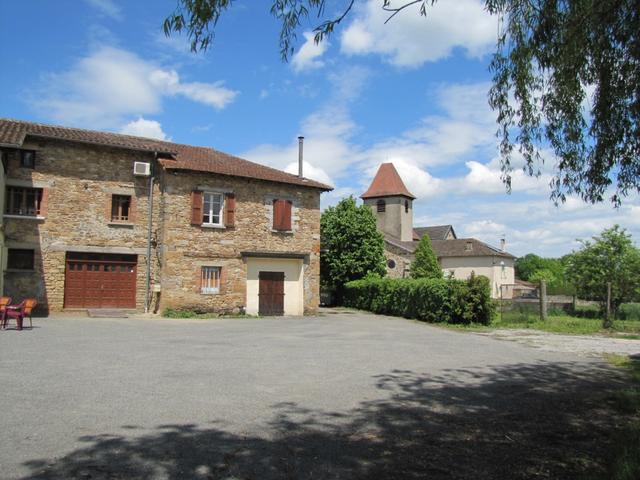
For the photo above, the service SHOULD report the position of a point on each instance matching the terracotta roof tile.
(436, 232)
(187, 157)
(459, 247)
(387, 182)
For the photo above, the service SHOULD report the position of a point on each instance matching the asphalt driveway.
(336, 396)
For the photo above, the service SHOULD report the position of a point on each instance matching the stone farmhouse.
(102, 220)
(392, 204)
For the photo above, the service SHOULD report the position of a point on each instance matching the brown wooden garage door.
(100, 281)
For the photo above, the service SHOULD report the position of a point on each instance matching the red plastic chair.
(4, 301)
(19, 312)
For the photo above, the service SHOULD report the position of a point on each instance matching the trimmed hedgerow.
(426, 299)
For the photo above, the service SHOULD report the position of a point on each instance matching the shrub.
(179, 313)
(629, 311)
(427, 299)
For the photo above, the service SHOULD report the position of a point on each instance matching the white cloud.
(145, 128)
(107, 7)
(410, 40)
(106, 88)
(212, 94)
(308, 56)
(309, 171)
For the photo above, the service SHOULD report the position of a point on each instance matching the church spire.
(387, 183)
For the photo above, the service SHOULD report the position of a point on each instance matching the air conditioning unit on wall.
(141, 169)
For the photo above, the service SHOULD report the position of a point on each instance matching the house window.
(210, 280)
(212, 209)
(120, 208)
(382, 206)
(23, 201)
(406, 206)
(468, 246)
(391, 263)
(282, 215)
(20, 259)
(27, 159)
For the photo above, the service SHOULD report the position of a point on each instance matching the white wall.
(293, 283)
(489, 267)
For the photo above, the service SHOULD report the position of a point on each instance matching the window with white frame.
(212, 213)
(210, 280)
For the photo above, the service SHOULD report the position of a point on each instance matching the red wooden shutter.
(229, 210)
(196, 208)
(286, 215)
(44, 202)
(282, 215)
(132, 209)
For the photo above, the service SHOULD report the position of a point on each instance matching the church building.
(392, 204)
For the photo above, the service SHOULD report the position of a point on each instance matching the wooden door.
(271, 293)
(100, 281)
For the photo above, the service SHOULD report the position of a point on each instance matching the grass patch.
(185, 313)
(554, 324)
(625, 451)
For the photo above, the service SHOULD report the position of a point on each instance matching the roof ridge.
(208, 158)
(101, 132)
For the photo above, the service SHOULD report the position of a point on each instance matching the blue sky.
(412, 92)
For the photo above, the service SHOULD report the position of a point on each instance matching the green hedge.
(430, 300)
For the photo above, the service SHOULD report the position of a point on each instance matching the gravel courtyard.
(343, 395)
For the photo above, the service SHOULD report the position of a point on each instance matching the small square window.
(27, 159)
(120, 208)
(210, 280)
(20, 259)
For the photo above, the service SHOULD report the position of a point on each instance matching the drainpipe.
(300, 148)
(147, 292)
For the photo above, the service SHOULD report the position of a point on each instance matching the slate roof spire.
(387, 183)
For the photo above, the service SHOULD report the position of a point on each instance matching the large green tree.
(534, 268)
(549, 54)
(425, 264)
(612, 258)
(352, 246)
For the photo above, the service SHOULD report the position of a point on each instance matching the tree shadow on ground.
(549, 420)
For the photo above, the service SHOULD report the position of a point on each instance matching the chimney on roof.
(503, 243)
(300, 149)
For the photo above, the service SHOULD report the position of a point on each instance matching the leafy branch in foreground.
(565, 82)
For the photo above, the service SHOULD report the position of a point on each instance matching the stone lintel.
(94, 249)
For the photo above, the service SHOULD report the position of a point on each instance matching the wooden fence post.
(543, 300)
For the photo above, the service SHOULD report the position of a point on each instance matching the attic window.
(406, 206)
(382, 206)
(468, 247)
(27, 159)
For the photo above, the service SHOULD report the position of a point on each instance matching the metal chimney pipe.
(300, 149)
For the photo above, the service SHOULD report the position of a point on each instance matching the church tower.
(391, 203)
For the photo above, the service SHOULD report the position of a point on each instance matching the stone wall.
(80, 180)
(401, 258)
(186, 248)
